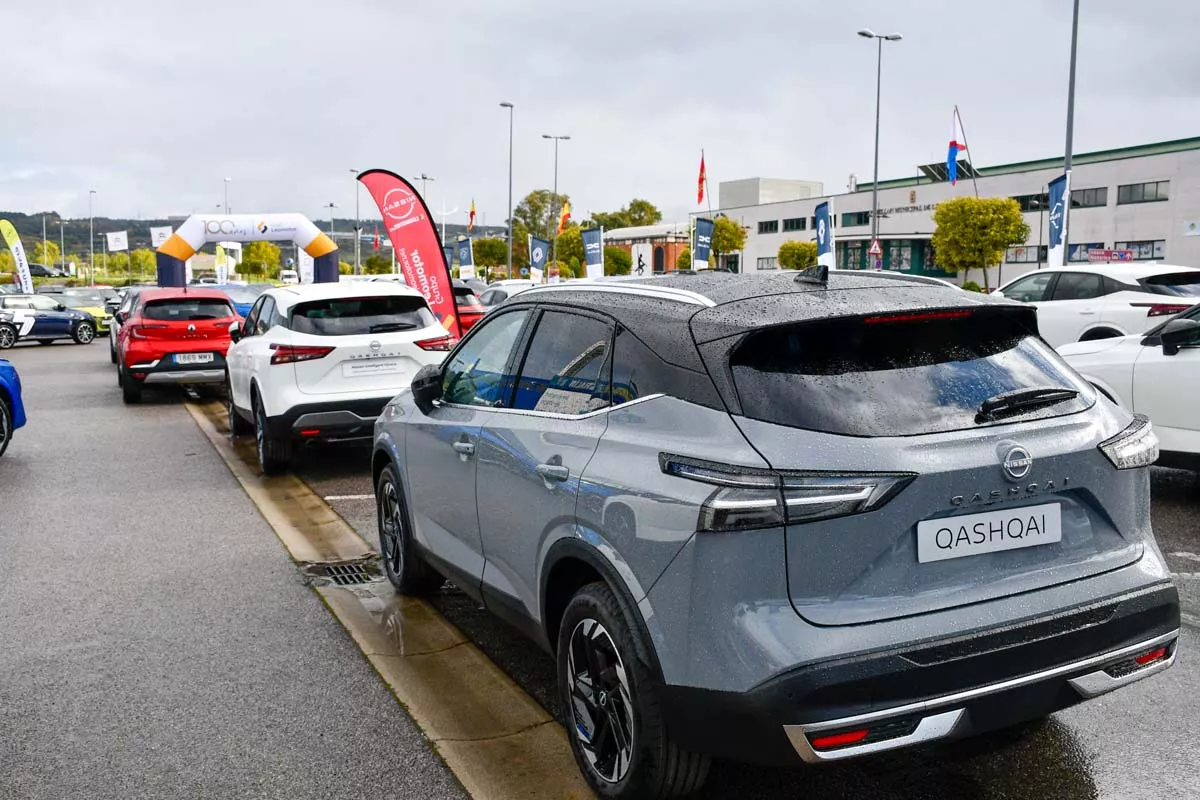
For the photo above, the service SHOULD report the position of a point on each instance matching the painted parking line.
(333, 498)
(496, 739)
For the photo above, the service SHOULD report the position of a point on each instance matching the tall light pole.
(227, 180)
(331, 206)
(91, 239)
(867, 33)
(554, 207)
(423, 178)
(1066, 246)
(509, 106)
(62, 243)
(357, 227)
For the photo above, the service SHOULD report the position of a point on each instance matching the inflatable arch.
(198, 230)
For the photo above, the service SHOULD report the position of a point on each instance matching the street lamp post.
(357, 227)
(227, 180)
(554, 207)
(1070, 134)
(867, 33)
(62, 244)
(509, 106)
(423, 178)
(91, 239)
(331, 206)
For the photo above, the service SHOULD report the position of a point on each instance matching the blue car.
(12, 410)
(242, 296)
(42, 318)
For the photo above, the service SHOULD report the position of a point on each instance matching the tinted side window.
(638, 372)
(565, 369)
(250, 326)
(265, 312)
(1077, 286)
(475, 374)
(1030, 289)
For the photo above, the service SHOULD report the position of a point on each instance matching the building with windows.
(652, 248)
(1144, 199)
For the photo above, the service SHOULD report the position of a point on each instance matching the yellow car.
(90, 302)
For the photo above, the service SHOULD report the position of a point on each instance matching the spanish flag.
(564, 216)
(471, 218)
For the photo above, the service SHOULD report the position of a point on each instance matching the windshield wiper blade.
(1014, 402)
(385, 327)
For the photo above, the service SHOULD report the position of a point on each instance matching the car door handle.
(465, 449)
(553, 472)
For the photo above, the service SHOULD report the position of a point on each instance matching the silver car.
(782, 518)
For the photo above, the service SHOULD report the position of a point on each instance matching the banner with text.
(1059, 192)
(466, 259)
(704, 234)
(593, 252)
(159, 236)
(118, 241)
(307, 267)
(539, 249)
(824, 227)
(24, 279)
(415, 241)
(222, 265)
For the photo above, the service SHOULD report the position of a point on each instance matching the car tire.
(617, 733)
(6, 424)
(8, 335)
(112, 351)
(237, 425)
(408, 572)
(131, 389)
(274, 453)
(84, 333)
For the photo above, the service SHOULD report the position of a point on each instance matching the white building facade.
(1144, 199)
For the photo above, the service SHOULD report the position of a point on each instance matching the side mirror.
(121, 316)
(1179, 333)
(235, 331)
(427, 386)
(60, 307)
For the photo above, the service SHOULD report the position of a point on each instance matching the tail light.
(292, 354)
(139, 331)
(442, 343)
(919, 316)
(1162, 309)
(1136, 446)
(748, 498)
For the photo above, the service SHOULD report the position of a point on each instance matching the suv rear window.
(465, 298)
(352, 316)
(1179, 284)
(185, 309)
(896, 375)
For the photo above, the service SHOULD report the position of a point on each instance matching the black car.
(42, 271)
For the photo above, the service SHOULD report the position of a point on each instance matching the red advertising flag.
(415, 242)
(703, 180)
(376, 237)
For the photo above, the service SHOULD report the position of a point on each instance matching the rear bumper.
(938, 690)
(335, 419)
(164, 370)
(186, 376)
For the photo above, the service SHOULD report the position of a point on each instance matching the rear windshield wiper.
(386, 327)
(1009, 403)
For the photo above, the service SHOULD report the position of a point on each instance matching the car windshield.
(187, 309)
(1178, 284)
(73, 300)
(896, 375)
(350, 316)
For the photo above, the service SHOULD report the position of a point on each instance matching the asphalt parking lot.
(129, 544)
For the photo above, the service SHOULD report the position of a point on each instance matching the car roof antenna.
(818, 274)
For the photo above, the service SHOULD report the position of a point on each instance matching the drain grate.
(343, 574)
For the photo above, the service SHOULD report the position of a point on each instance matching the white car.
(499, 291)
(1156, 374)
(320, 361)
(1099, 301)
(289, 276)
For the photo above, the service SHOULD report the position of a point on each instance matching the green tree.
(7, 262)
(617, 261)
(684, 259)
(145, 263)
(570, 243)
(638, 212)
(260, 258)
(797, 255)
(536, 214)
(48, 255)
(116, 264)
(728, 236)
(576, 267)
(491, 252)
(344, 267)
(376, 265)
(974, 232)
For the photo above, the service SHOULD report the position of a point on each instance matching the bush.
(617, 261)
(971, 286)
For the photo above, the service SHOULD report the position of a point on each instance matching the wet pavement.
(155, 639)
(1135, 743)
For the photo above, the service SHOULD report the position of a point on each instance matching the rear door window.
(354, 316)
(1030, 289)
(896, 376)
(476, 373)
(1078, 286)
(266, 315)
(187, 309)
(566, 368)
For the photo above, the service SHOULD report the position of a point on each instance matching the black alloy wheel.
(8, 335)
(406, 570)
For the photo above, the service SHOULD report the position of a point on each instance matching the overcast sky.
(154, 103)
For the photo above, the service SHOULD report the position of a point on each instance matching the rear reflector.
(311, 432)
(441, 343)
(1162, 309)
(1154, 655)
(839, 739)
(920, 316)
(290, 354)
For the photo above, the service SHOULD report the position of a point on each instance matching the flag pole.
(967, 145)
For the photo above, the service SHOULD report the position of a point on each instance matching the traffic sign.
(875, 249)
(1110, 255)
(524, 272)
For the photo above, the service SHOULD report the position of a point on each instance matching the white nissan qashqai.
(320, 361)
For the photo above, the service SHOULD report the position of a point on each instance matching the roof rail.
(639, 289)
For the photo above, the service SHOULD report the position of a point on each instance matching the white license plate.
(193, 358)
(988, 532)
(362, 369)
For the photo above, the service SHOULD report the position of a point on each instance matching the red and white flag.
(703, 180)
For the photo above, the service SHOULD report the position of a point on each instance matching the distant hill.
(75, 231)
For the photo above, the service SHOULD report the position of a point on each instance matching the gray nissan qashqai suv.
(782, 518)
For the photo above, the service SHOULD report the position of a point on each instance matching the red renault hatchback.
(173, 336)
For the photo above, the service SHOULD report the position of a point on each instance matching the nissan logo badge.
(1017, 463)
